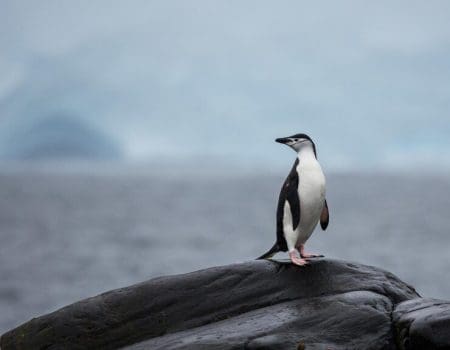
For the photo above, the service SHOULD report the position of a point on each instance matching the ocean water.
(67, 236)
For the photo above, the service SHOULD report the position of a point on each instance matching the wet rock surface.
(423, 324)
(348, 320)
(330, 304)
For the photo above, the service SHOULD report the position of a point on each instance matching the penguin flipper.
(294, 203)
(289, 193)
(325, 216)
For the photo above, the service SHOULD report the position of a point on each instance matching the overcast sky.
(369, 81)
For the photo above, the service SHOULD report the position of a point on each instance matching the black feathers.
(300, 136)
(325, 216)
(288, 193)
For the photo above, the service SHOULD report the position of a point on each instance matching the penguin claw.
(296, 260)
(300, 262)
(312, 256)
(304, 255)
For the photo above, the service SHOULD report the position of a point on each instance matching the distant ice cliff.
(59, 137)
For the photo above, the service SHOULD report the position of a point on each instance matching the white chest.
(311, 186)
(311, 190)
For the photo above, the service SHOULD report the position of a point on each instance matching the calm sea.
(67, 236)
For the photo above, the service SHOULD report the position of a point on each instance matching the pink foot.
(305, 255)
(296, 260)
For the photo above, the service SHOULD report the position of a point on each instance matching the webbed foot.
(296, 260)
(305, 255)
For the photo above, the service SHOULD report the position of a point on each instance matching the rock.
(254, 305)
(353, 320)
(423, 324)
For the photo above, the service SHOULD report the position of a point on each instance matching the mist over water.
(66, 236)
(368, 81)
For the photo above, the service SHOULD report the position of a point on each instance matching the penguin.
(302, 203)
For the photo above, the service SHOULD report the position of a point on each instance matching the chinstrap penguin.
(302, 202)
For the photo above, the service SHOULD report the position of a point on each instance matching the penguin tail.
(271, 252)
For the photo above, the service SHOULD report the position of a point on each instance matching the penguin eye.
(295, 140)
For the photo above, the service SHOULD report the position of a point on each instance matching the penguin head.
(297, 142)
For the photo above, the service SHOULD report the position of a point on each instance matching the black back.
(289, 192)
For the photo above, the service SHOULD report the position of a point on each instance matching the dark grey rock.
(423, 324)
(254, 305)
(353, 320)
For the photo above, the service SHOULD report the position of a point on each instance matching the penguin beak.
(283, 140)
